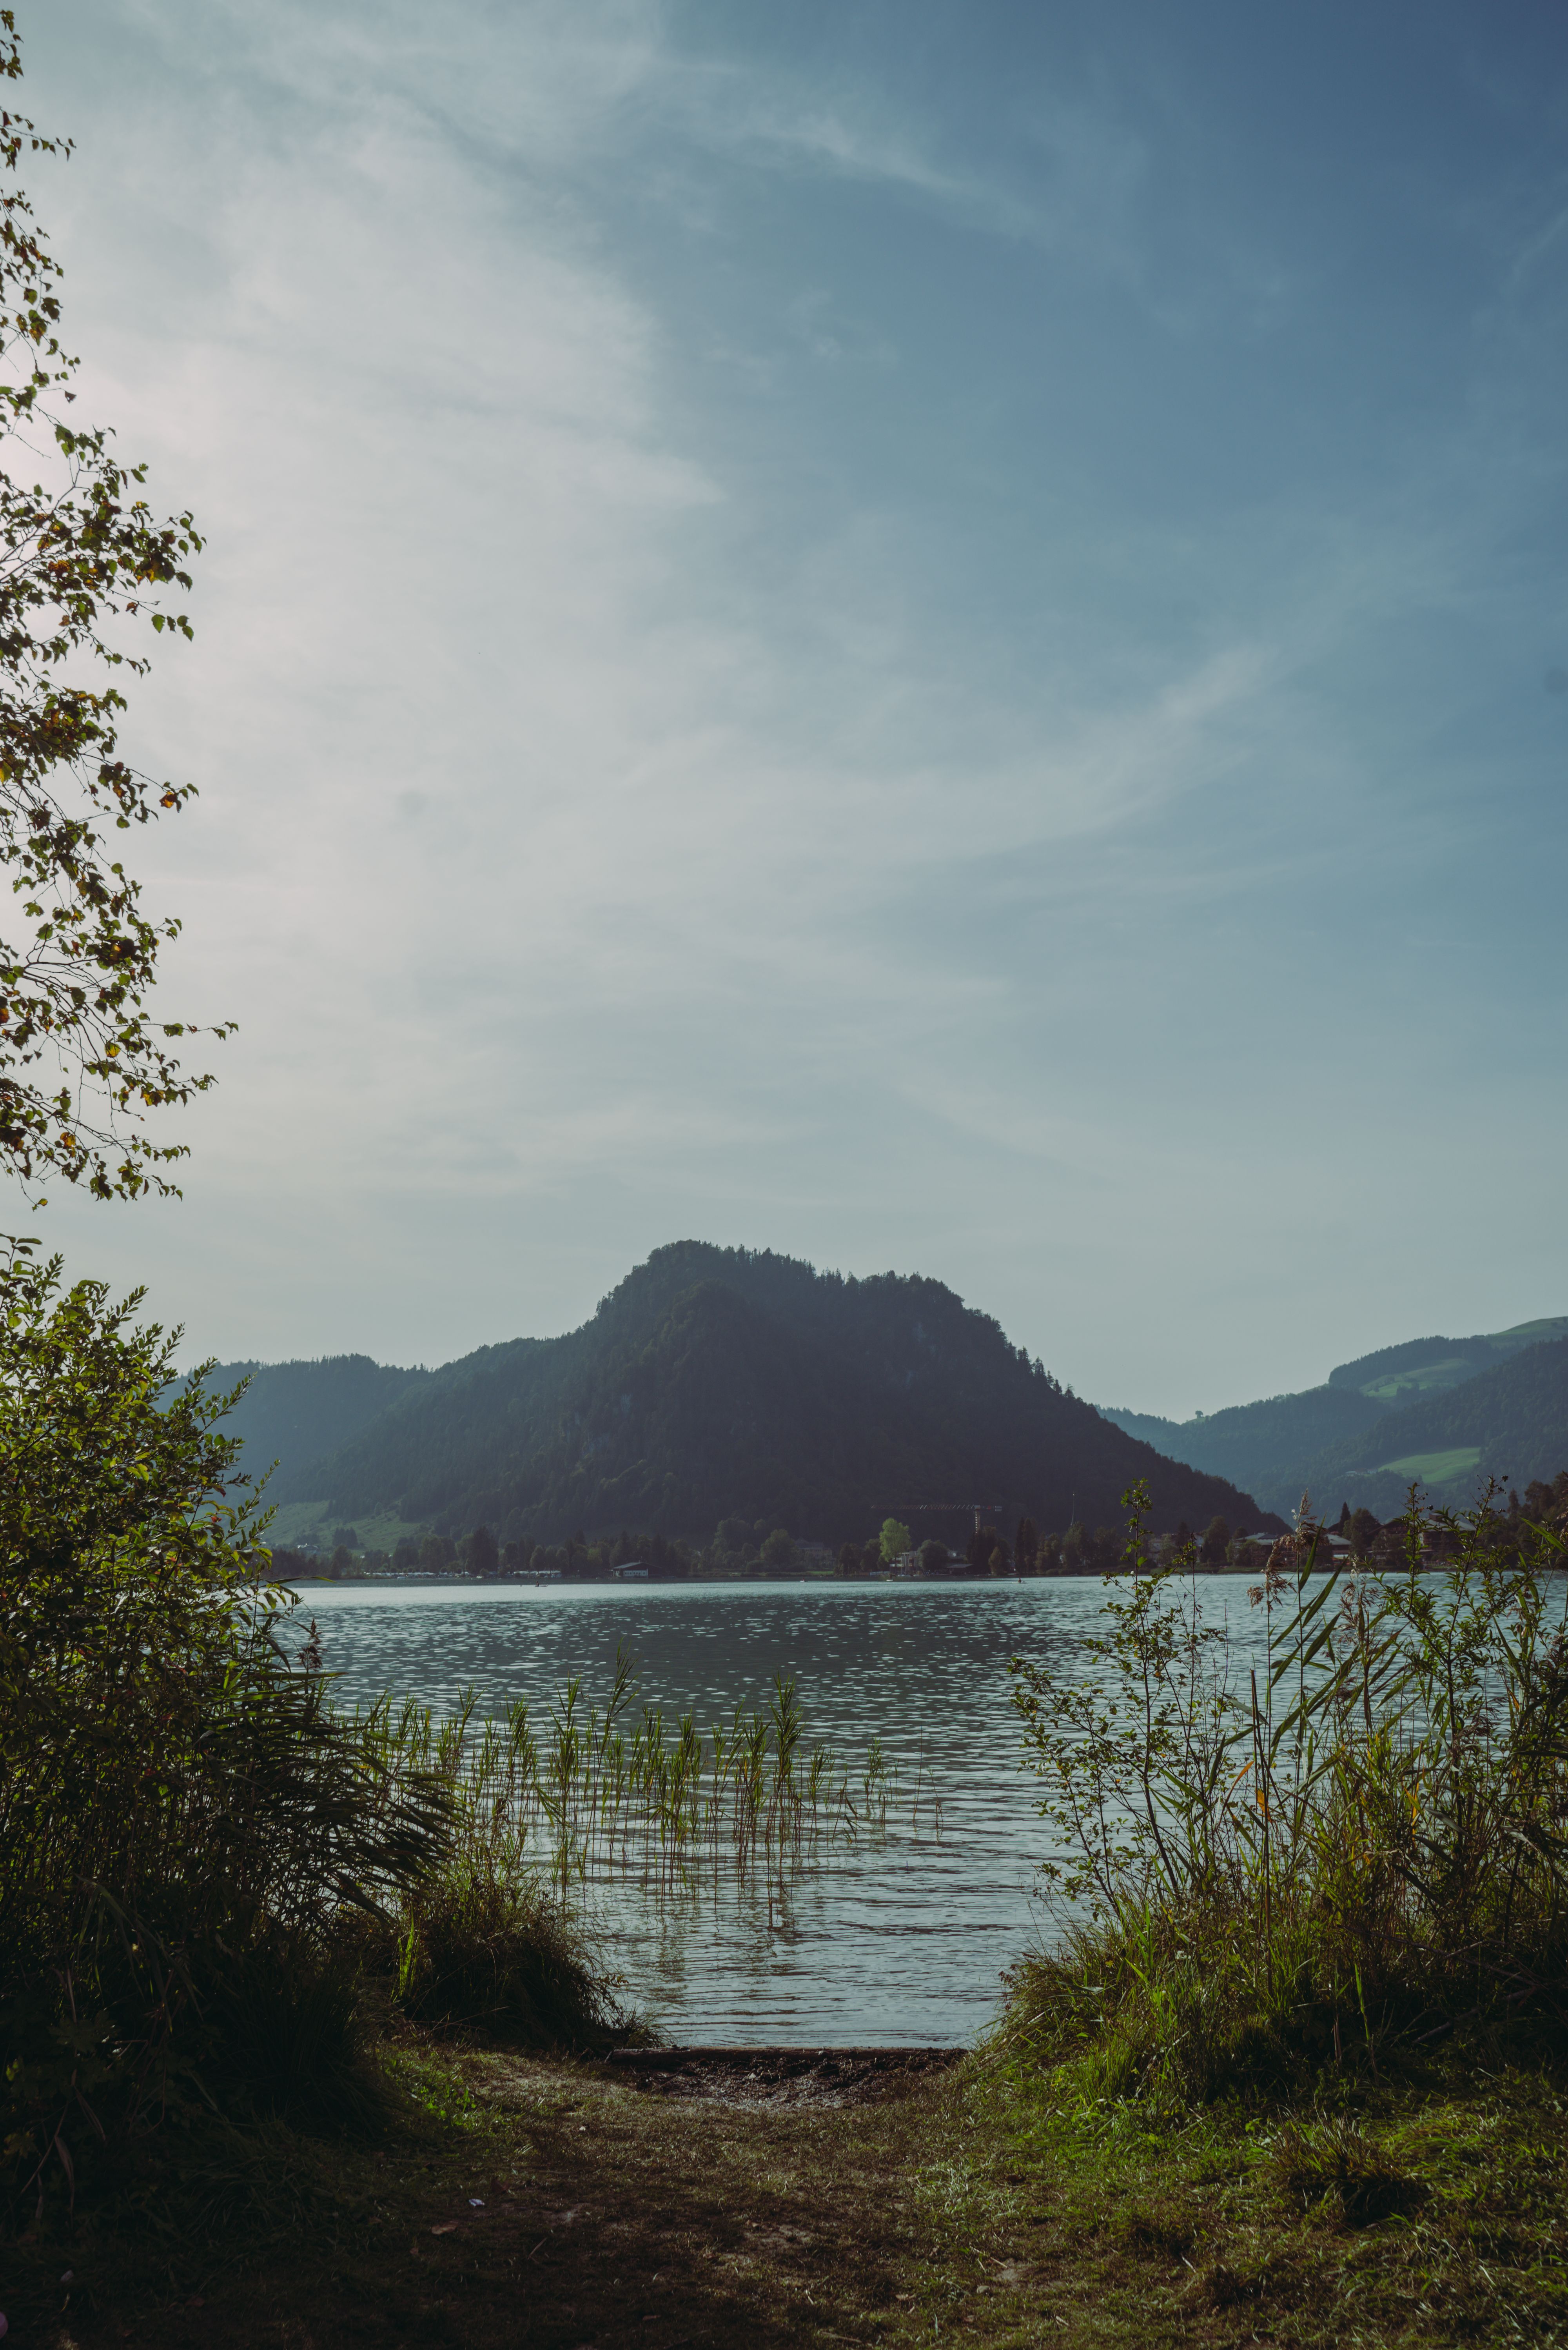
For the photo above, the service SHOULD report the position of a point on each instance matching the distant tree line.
(738, 1547)
(741, 1547)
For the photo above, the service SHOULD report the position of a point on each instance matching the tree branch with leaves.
(84, 564)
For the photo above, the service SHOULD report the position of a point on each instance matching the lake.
(897, 1939)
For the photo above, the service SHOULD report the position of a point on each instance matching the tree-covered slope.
(718, 1383)
(1287, 1445)
(293, 1412)
(1513, 1420)
(1418, 1368)
(1259, 1444)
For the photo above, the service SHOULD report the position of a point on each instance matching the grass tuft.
(1335, 2160)
(499, 1958)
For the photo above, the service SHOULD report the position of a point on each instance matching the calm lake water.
(900, 1940)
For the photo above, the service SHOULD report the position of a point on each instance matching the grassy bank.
(1314, 1872)
(981, 2205)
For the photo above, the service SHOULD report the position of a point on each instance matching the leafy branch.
(82, 1056)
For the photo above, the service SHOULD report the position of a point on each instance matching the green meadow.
(1437, 1467)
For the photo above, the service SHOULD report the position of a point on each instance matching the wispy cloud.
(701, 721)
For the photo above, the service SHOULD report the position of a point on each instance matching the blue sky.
(930, 636)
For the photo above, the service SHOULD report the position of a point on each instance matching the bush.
(1360, 1852)
(183, 1821)
(481, 1953)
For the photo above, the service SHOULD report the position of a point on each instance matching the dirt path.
(745, 2198)
(749, 2199)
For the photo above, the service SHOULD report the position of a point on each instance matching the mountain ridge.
(1382, 1406)
(712, 1383)
(739, 1377)
(1513, 1418)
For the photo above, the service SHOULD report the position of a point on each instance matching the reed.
(612, 1790)
(1339, 1861)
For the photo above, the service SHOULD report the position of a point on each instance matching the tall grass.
(613, 1790)
(1338, 1860)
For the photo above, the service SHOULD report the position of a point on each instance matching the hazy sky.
(932, 636)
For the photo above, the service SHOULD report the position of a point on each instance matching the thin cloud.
(901, 800)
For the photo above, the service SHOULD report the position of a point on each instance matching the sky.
(932, 634)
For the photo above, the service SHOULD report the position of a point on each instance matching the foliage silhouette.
(85, 564)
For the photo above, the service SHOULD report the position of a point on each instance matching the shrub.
(182, 1819)
(283, 2035)
(1359, 1851)
(482, 1952)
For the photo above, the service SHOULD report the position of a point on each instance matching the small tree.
(894, 1541)
(1361, 1530)
(481, 1554)
(1215, 1542)
(934, 1557)
(1025, 1546)
(982, 1543)
(778, 1552)
(174, 1792)
(849, 1559)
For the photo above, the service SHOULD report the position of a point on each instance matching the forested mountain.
(725, 1383)
(1422, 1367)
(716, 1383)
(1511, 1422)
(293, 1412)
(1260, 1445)
(1381, 1409)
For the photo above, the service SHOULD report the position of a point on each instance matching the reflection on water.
(895, 1939)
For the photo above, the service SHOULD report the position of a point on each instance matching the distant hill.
(293, 1412)
(716, 1383)
(1509, 1422)
(1260, 1445)
(1403, 1374)
(1380, 1409)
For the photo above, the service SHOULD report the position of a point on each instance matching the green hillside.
(1369, 1413)
(1511, 1423)
(1434, 1469)
(1421, 1366)
(716, 1383)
